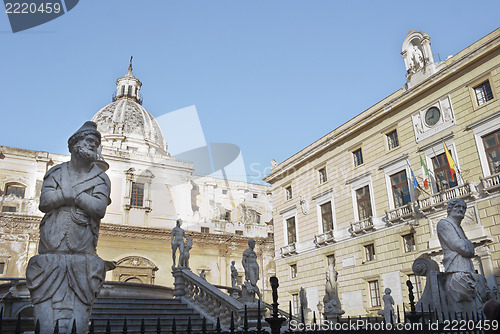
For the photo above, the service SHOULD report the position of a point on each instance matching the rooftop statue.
(66, 276)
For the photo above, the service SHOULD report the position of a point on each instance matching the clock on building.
(432, 116)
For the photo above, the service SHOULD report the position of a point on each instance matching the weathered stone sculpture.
(234, 274)
(177, 242)
(251, 267)
(303, 301)
(465, 290)
(331, 301)
(388, 311)
(184, 256)
(66, 276)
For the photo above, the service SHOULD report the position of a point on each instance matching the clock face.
(432, 116)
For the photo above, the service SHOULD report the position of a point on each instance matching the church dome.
(125, 124)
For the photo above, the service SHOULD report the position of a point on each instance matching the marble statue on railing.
(465, 290)
(234, 274)
(249, 262)
(331, 301)
(184, 256)
(388, 311)
(184, 246)
(66, 276)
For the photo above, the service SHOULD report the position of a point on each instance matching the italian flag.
(451, 163)
(425, 173)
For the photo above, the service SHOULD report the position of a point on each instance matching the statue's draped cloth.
(68, 237)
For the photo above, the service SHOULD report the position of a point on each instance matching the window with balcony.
(483, 93)
(358, 157)
(137, 194)
(492, 149)
(291, 230)
(322, 175)
(14, 189)
(392, 140)
(288, 192)
(400, 189)
(364, 202)
(370, 252)
(444, 179)
(374, 293)
(326, 216)
(409, 242)
(417, 285)
(293, 271)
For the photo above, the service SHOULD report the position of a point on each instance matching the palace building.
(351, 196)
(150, 189)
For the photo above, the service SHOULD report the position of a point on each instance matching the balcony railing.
(400, 213)
(288, 250)
(324, 239)
(491, 183)
(444, 196)
(361, 226)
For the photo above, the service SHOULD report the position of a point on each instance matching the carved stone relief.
(445, 120)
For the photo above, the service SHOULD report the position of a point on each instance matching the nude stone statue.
(388, 311)
(234, 274)
(251, 267)
(465, 290)
(331, 299)
(184, 256)
(66, 276)
(177, 241)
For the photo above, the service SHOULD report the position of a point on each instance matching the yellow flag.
(451, 163)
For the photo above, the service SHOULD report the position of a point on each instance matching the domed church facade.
(150, 190)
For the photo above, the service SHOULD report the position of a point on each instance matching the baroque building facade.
(350, 198)
(150, 189)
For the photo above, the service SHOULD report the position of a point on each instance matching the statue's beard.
(85, 154)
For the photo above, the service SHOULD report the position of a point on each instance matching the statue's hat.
(88, 127)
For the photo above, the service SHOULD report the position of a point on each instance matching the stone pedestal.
(333, 316)
(179, 283)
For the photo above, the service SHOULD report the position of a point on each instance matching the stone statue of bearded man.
(66, 276)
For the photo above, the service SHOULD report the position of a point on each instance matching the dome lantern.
(128, 87)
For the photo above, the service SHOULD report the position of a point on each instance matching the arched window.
(15, 189)
(135, 269)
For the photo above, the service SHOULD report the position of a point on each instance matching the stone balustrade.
(324, 239)
(288, 250)
(491, 183)
(442, 198)
(361, 226)
(400, 213)
(206, 298)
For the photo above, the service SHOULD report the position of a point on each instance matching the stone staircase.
(116, 309)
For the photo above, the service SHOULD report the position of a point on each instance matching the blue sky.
(269, 76)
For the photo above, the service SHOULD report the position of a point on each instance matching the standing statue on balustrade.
(249, 262)
(66, 276)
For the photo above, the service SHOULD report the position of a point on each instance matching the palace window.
(14, 189)
(483, 93)
(322, 175)
(358, 157)
(137, 194)
(6, 208)
(392, 140)
(224, 191)
(374, 293)
(293, 271)
(270, 235)
(326, 216)
(295, 303)
(364, 202)
(255, 195)
(291, 230)
(205, 230)
(492, 149)
(417, 285)
(442, 173)
(2, 268)
(238, 232)
(288, 192)
(409, 242)
(400, 189)
(370, 252)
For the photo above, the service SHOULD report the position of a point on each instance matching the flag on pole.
(451, 163)
(425, 173)
(415, 182)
